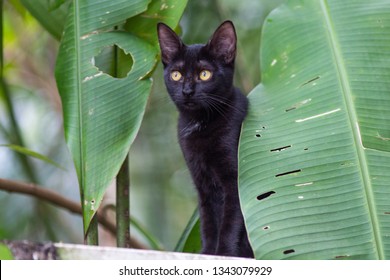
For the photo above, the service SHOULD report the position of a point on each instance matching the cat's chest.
(205, 142)
(199, 144)
(203, 155)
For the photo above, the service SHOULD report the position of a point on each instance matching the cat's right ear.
(170, 43)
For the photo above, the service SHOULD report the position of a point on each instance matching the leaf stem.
(92, 235)
(122, 205)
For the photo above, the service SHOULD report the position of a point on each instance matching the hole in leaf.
(297, 105)
(289, 251)
(288, 173)
(310, 81)
(265, 195)
(290, 109)
(280, 149)
(258, 135)
(266, 228)
(113, 61)
(306, 149)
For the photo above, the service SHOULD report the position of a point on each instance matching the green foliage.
(314, 156)
(102, 114)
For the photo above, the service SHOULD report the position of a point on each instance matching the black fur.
(210, 117)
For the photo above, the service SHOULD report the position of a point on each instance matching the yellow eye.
(205, 75)
(175, 75)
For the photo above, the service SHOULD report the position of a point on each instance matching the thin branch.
(58, 200)
(40, 192)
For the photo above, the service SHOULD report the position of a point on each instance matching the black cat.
(199, 79)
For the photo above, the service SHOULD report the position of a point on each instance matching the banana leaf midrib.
(354, 124)
(79, 96)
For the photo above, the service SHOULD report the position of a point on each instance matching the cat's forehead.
(193, 56)
(184, 63)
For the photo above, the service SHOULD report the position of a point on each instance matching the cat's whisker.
(217, 107)
(224, 101)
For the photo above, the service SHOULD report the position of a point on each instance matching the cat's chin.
(190, 106)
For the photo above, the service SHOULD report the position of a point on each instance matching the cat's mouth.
(190, 104)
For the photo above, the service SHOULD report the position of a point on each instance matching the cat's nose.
(188, 92)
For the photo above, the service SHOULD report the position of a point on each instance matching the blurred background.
(162, 195)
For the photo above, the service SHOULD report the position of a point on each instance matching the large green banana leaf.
(102, 114)
(314, 156)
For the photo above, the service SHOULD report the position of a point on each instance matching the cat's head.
(199, 77)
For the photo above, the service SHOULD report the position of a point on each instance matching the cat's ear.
(223, 42)
(170, 43)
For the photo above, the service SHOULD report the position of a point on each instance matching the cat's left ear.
(223, 42)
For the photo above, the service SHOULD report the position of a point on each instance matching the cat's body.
(199, 79)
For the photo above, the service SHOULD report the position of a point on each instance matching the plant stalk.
(122, 205)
